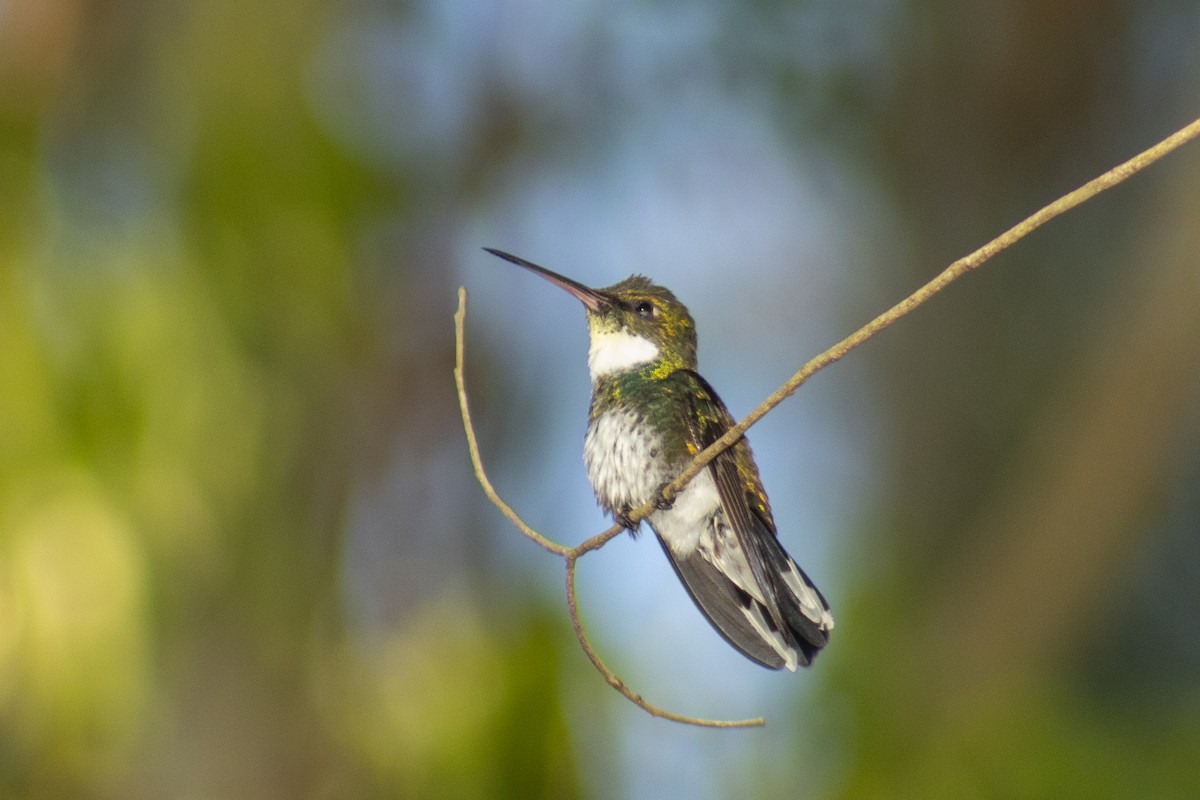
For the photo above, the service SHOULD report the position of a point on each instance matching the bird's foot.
(661, 501)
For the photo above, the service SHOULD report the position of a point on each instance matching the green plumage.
(650, 414)
(687, 416)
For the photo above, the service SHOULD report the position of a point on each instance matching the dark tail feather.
(726, 606)
(809, 622)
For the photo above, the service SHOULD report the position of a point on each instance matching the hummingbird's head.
(634, 324)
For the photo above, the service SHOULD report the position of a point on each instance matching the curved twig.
(620, 685)
(947, 276)
(571, 555)
(460, 317)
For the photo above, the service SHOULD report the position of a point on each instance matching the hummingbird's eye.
(645, 309)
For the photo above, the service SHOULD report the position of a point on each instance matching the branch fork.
(571, 555)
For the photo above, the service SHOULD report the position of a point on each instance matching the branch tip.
(953, 272)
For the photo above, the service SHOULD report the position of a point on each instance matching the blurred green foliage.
(185, 325)
(215, 324)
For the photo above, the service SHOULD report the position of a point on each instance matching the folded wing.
(738, 574)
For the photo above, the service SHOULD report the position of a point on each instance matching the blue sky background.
(241, 550)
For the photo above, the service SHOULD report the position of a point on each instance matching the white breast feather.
(618, 351)
(623, 462)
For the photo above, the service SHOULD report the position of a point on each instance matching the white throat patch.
(617, 352)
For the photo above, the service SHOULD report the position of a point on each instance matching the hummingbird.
(650, 414)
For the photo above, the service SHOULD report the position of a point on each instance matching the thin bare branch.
(620, 685)
(602, 538)
(956, 270)
(569, 554)
(460, 317)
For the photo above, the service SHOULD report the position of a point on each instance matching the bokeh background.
(241, 551)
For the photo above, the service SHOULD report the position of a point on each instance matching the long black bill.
(589, 297)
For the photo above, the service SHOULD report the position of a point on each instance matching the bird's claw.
(661, 501)
(623, 519)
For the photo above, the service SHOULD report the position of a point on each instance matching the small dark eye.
(645, 309)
